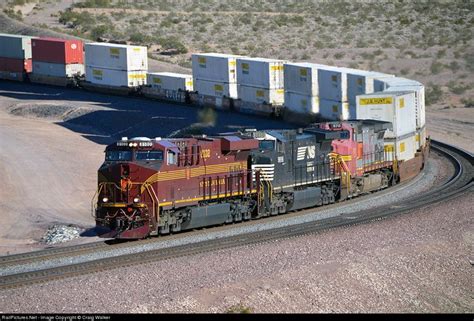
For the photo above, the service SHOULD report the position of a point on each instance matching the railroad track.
(461, 182)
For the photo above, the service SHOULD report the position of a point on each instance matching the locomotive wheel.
(163, 230)
(176, 227)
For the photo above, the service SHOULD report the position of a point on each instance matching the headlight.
(105, 200)
(136, 200)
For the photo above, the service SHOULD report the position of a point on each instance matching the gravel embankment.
(423, 182)
(417, 262)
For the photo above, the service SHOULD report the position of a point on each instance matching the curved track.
(460, 183)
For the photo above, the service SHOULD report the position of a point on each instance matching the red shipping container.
(59, 51)
(15, 65)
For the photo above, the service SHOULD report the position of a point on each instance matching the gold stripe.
(195, 172)
(207, 198)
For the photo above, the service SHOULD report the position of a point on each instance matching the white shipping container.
(360, 82)
(395, 107)
(420, 138)
(115, 56)
(403, 148)
(215, 88)
(301, 78)
(402, 84)
(302, 104)
(261, 95)
(260, 72)
(214, 67)
(57, 70)
(332, 83)
(170, 81)
(333, 110)
(115, 78)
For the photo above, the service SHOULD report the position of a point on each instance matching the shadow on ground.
(112, 117)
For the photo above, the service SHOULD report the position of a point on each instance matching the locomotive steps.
(460, 182)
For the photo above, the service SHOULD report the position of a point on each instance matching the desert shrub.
(457, 89)
(433, 95)
(441, 53)
(12, 14)
(94, 4)
(239, 308)
(173, 43)
(436, 67)
(454, 66)
(405, 71)
(99, 31)
(468, 102)
(469, 60)
(140, 38)
(339, 55)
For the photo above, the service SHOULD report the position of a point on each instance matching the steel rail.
(461, 182)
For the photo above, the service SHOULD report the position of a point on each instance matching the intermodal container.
(301, 78)
(333, 110)
(214, 67)
(395, 107)
(332, 83)
(261, 95)
(402, 84)
(300, 103)
(260, 72)
(57, 70)
(403, 147)
(170, 81)
(59, 51)
(15, 65)
(15, 46)
(116, 56)
(215, 88)
(115, 78)
(360, 82)
(420, 138)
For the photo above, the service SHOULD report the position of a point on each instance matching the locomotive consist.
(160, 186)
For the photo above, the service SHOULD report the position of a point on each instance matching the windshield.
(150, 155)
(118, 155)
(266, 145)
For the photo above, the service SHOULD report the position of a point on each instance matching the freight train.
(159, 186)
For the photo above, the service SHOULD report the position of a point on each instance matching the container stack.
(301, 88)
(15, 56)
(397, 107)
(168, 85)
(403, 84)
(214, 78)
(333, 100)
(260, 84)
(111, 65)
(55, 61)
(360, 82)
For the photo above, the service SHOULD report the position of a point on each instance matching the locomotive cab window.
(171, 158)
(266, 145)
(118, 155)
(150, 155)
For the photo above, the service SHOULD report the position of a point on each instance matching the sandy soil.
(49, 176)
(453, 126)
